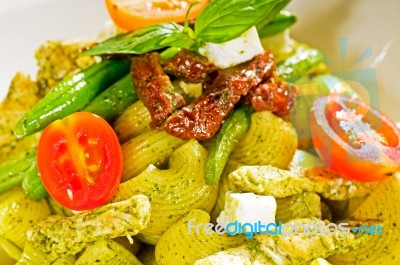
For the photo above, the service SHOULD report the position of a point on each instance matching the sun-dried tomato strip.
(189, 66)
(154, 87)
(202, 119)
(273, 95)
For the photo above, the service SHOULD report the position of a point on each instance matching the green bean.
(233, 129)
(71, 95)
(301, 63)
(114, 100)
(32, 184)
(13, 171)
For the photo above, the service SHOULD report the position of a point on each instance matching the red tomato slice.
(355, 139)
(80, 161)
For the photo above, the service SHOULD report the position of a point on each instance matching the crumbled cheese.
(235, 51)
(247, 208)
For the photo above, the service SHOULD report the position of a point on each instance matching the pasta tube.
(148, 255)
(8, 249)
(132, 122)
(32, 256)
(107, 252)
(269, 141)
(67, 260)
(182, 245)
(151, 147)
(173, 192)
(17, 214)
(320, 261)
(383, 205)
(306, 204)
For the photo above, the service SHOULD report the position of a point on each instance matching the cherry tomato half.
(80, 161)
(134, 14)
(355, 139)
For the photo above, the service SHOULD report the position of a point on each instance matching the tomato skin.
(366, 160)
(80, 161)
(133, 14)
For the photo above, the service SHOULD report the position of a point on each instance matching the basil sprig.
(225, 20)
(220, 21)
(282, 21)
(137, 42)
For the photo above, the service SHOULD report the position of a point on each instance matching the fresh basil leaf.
(272, 15)
(179, 39)
(138, 42)
(224, 20)
(281, 22)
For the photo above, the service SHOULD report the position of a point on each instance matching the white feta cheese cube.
(235, 51)
(247, 208)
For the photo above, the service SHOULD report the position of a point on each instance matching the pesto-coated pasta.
(5, 258)
(133, 245)
(269, 141)
(9, 248)
(67, 260)
(303, 160)
(148, 255)
(151, 147)
(17, 214)
(173, 192)
(342, 209)
(320, 261)
(32, 256)
(132, 122)
(306, 204)
(383, 205)
(180, 246)
(107, 252)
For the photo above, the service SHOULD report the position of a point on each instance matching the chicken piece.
(269, 180)
(21, 97)
(56, 60)
(69, 235)
(289, 247)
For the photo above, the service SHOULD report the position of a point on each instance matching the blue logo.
(362, 80)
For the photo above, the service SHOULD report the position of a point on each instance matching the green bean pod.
(32, 184)
(281, 22)
(71, 95)
(114, 100)
(233, 129)
(301, 63)
(14, 170)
